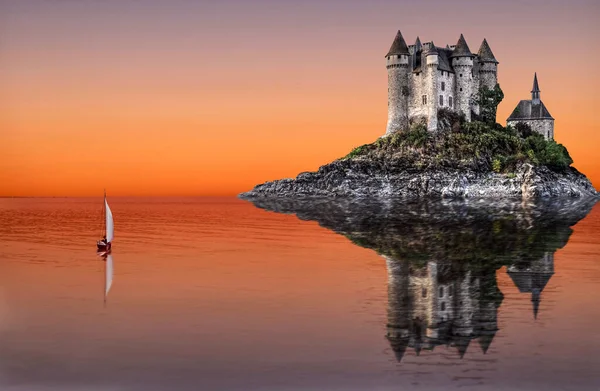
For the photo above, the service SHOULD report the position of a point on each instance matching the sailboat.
(105, 243)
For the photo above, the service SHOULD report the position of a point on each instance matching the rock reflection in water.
(442, 259)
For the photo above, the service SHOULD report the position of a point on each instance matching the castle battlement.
(423, 78)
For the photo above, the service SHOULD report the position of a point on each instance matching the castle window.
(443, 306)
(441, 291)
(461, 75)
(461, 89)
(424, 292)
(443, 86)
(450, 288)
(441, 100)
(450, 101)
(424, 99)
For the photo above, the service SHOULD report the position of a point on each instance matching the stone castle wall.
(545, 127)
(449, 85)
(488, 75)
(398, 93)
(463, 68)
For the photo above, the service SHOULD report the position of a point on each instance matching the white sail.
(110, 225)
(109, 273)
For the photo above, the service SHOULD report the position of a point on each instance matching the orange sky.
(198, 98)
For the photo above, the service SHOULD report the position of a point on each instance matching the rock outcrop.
(363, 177)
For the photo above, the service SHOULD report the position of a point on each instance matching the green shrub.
(358, 151)
(497, 165)
(488, 100)
(474, 145)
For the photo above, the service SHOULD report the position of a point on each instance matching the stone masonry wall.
(398, 93)
(448, 79)
(463, 67)
(545, 127)
(488, 75)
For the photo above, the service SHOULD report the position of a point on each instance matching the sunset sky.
(148, 97)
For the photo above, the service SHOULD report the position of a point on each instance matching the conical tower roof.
(418, 44)
(398, 46)
(461, 49)
(432, 49)
(485, 53)
(462, 343)
(485, 341)
(399, 346)
(536, 87)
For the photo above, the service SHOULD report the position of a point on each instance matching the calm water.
(218, 294)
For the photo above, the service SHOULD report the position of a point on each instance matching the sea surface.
(219, 294)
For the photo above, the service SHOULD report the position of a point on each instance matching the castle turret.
(432, 60)
(462, 62)
(397, 66)
(535, 91)
(398, 324)
(488, 66)
(416, 54)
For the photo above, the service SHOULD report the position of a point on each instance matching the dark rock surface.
(478, 230)
(365, 178)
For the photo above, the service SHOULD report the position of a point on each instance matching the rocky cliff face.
(364, 177)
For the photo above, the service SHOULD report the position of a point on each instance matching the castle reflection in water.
(442, 258)
(441, 303)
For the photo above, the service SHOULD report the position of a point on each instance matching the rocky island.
(442, 139)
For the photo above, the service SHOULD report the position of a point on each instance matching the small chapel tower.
(533, 113)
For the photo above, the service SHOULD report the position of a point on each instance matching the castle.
(423, 78)
(445, 304)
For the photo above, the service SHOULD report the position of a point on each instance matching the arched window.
(441, 291)
(424, 292)
(443, 306)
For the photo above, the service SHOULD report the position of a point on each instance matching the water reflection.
(108, 273)
(442, 259)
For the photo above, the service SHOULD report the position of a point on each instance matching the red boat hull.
(103, 246)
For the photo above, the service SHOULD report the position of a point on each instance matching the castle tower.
(490, 298)
(488, 66)
(533, 113)
(466, 305)
(432, 60)
(397, 67)
(398, 324)
(462, 62)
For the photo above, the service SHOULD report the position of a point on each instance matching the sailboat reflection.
(108, 273)
(442, 259)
